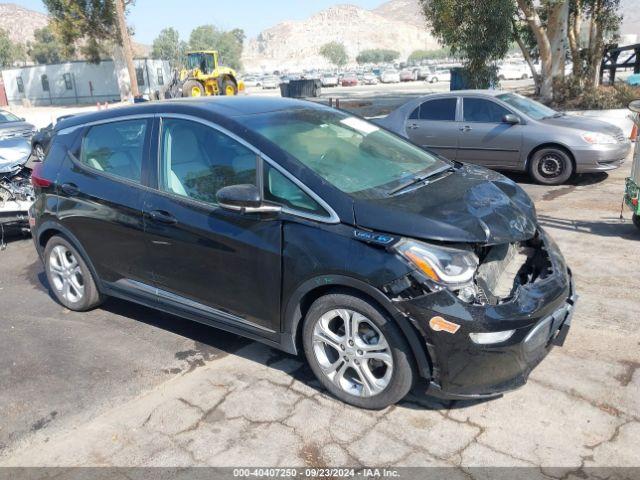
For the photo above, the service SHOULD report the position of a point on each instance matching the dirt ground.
(127, 386)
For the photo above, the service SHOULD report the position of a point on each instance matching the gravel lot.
(124, 385)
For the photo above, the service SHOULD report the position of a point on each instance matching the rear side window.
(441, 109)
(280, 189)
(116, 148)
(198, 160)
(481, 110)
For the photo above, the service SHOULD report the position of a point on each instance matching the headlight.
(595, 138)
(451, 268)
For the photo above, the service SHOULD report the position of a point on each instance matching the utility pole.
(126, 46)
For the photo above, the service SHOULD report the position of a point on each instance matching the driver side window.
(197, 160)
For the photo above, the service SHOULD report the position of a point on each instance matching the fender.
(52, 225)
(293, 315)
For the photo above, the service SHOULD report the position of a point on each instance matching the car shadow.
(578, 180)
(606, 227)
(211, 343)
(212, 339)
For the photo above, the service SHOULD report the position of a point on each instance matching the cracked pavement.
(208, 398)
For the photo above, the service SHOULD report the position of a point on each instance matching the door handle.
(70, 189)
(466, 128)
(412, 126)
(161, 216)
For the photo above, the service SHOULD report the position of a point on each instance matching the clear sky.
(148, 17)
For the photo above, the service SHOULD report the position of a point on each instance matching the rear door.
(485, 139)
(433, 126)
(207, 259)
(101, 196)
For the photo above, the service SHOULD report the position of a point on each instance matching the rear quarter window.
(441, 109)
(116, 148)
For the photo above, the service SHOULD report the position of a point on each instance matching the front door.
(485, 139)
(204, 257)
(433, 126)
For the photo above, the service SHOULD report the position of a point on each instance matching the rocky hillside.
(397, 24)
(407, 11)
(296, 44)
(20, 22)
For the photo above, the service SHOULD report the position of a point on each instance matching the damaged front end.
(488, 314)
(16, 196)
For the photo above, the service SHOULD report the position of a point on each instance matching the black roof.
(223, 106)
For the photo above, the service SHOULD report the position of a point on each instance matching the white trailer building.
(76, 83)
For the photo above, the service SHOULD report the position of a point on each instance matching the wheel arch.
(302, 299)
(557, 145)
(50, 229)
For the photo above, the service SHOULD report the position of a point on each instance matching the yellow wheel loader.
(203, 76)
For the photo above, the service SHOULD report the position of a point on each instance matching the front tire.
(69, 277)
(357, 352)
(228, 88)
(550, 166)
(636, 220)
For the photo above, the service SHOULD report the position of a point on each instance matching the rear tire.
(550, 166)
(193, 88)
(38, 151)
(368, 366)
(69, 276)
(636, 220)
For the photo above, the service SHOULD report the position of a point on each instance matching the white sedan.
(513, 71)
(390, 76)
(436, 76)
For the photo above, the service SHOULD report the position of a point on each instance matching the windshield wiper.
(420, 178)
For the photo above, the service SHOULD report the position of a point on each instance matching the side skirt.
(173, 304)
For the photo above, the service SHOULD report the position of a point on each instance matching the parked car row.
(372, 76)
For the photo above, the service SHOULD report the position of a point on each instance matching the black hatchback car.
(308, 229)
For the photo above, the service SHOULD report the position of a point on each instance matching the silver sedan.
(506, 131)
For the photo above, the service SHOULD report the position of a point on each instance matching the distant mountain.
(407, 11)
(20, 22)
(395, 25)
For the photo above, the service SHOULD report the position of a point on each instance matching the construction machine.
(204, 76)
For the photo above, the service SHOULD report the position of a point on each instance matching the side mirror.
(244, 199)
(511, 119)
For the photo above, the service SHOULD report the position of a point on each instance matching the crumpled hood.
(13, 152)
(473, 205)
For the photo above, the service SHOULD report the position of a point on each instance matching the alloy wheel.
(352, 352)
(66, 274)
(39, 152)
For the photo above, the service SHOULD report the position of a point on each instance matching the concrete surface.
(126, 386)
